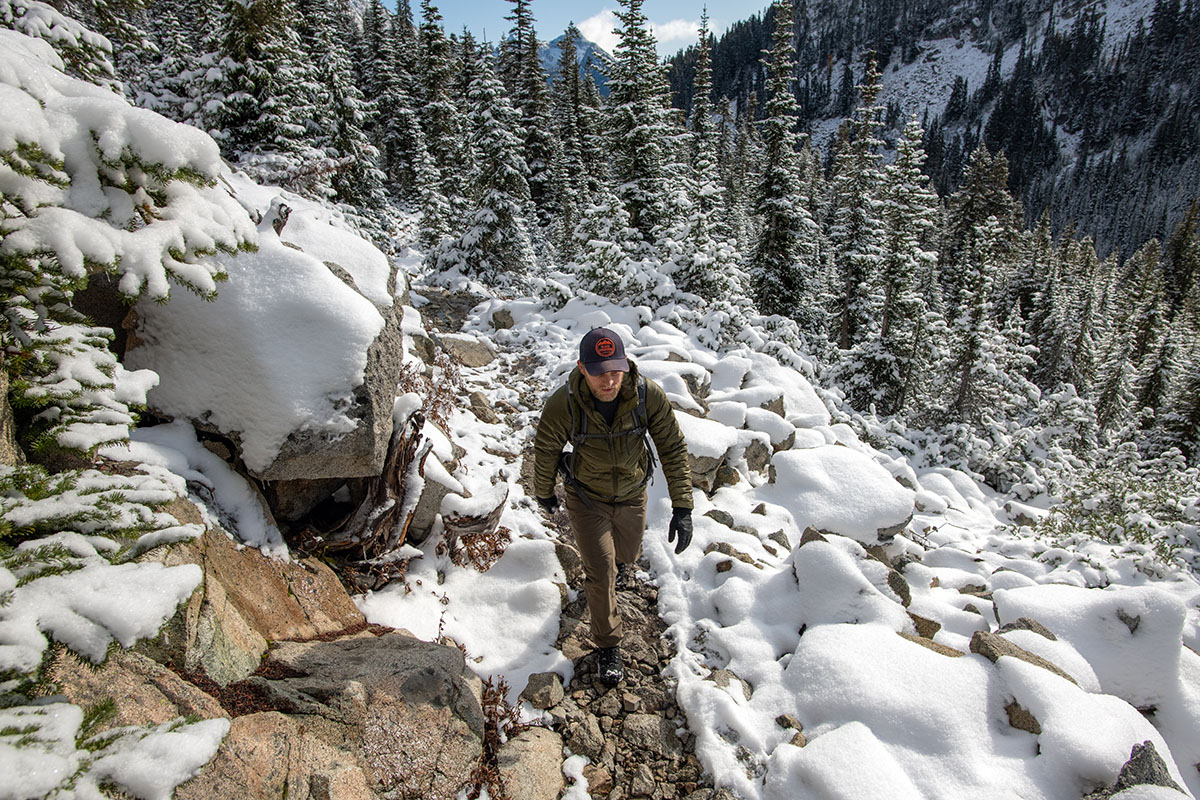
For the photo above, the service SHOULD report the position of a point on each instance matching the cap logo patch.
(605, 347)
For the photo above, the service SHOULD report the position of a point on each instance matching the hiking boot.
(625, 576)
(609, 668)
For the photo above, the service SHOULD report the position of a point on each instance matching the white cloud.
(680, 31)
(599, 29)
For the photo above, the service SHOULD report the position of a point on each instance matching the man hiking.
(607, 412)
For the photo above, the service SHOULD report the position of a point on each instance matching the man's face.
(604, 386)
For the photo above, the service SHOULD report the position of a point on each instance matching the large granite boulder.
(410, 710)
(246, 601)
(269, 755)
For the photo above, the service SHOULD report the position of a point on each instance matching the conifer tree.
(606, 240)
(856, 228)
(783, 261)
(531, 97)
(257, 106)
(639, 125)
(169, 87)
(495, 245)
(440, 116)
(576, 168)
(972, 386)
(1181, 257)
(338, 124)
(984, 194)
(884, 362)
(707, 263)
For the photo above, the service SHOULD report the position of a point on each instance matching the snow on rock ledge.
(289, 361)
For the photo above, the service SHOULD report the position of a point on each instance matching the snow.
(223, 496)
(817, 631)
(834, 488)
(91, 608)
(279, 350)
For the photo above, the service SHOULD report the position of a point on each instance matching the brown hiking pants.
(607, 534)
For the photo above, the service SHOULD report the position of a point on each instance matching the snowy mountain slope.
(592, 60)
(818, 632)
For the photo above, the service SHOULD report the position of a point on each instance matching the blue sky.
(675, 21)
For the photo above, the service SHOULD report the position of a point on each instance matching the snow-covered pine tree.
(495, 246)
(1182, 422)
(740, 174)
(911, 219)
(1181, 256)
(984, 193)
(575, 184)
(606, 240)
(707, 263)
(639, 123)
(257, 104)
(782, 263)
(121, 203)
(168, 87)
(441, 118)
(856, 227)
(972, 390)
(530, 95)
(1129, 374)
(338, 126)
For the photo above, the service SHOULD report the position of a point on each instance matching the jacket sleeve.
(668, 441)
(553, 431)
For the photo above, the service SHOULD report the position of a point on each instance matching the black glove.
(681, 524)
(548, 504)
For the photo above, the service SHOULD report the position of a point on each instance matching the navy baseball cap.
(602, 351)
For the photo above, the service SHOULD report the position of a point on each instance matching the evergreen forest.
(972, 298)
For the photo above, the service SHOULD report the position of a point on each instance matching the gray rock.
(314, 454)
(758, 456)
(780, 538)
(720, 517)
(993, 646)
(1027, 624)
(724, 548)
(585, 738)
(811, 534)
(899, 585)
(929, 644)
(642, 784)
(409, 708)
(651, 733)
(502, 319)
(1145, 767)
(571, 561)
(482, 409)
(543, 690)
(269, 755)
(704, 471)
(530, 765)
(468, 350)
(246, 601)
(926, 628)
(1020, 718)
(774, 405)
(727, 678)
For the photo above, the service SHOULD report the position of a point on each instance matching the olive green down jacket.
(612, 470)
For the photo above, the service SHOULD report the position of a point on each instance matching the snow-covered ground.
(814, 631)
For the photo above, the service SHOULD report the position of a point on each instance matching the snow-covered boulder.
(292, 362)
(839, 490)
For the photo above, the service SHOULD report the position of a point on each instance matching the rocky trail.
(634, 735)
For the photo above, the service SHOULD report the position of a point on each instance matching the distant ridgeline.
(1097, 106)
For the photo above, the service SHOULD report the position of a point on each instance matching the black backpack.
(579, 434)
